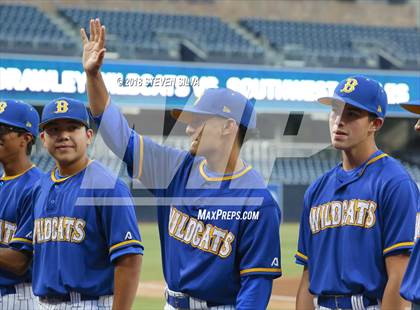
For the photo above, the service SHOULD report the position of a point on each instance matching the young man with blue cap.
(410, 288)
(83, 230)
(18, 130)
(357, 222)
(214, 255)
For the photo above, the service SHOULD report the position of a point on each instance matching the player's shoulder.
(249, 178)
(31, 177)
(391, 168)
(101, 177)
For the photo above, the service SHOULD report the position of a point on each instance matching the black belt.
(65, 298)
(7, 290)
(343, 301)
(184, 302)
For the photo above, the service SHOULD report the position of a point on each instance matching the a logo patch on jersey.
(62, 106)
(350, 86)
(7, 231)
(206, 237)
(128, 236)
(355, 212)
(3, 106)
(68, 229)
(275, 262)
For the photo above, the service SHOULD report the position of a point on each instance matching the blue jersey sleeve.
(255, 293)
(304, 235)
(399, 213)
(259, 246)
(152, 163)
(22, 239)
(120, 224)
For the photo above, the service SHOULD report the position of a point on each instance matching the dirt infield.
(283, 297)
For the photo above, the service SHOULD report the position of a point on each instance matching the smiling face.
(209, 134)
(13, 142)
(351, 126)
(66, 140)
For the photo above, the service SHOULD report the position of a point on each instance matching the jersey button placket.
(52, 197)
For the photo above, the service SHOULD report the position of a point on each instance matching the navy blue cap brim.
(412, 107)
(42, 124)
(344, 100)
(185, 115)
(3, 121)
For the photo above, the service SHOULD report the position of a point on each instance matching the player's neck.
(73, 168)
(17, 165)
(225, 164)
(356, 156)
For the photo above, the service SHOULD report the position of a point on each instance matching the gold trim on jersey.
(398, 245)
(224, 178)
(8, 178)
(245, 271)
(21, 240)
(55, 180)
(371, 161)
(301, 255)
(123, 243)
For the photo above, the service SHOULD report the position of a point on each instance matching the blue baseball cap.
(413, 106)
(222, 102)
(361, 92)
(65, 108)
(19, 114)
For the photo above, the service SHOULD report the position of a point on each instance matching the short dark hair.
(245, 134)
(372, 116)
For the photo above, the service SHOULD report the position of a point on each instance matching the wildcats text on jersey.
(61, 228)
(7, 231)
(354, 212)
(206, 237)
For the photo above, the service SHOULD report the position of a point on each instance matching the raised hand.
(93, 47)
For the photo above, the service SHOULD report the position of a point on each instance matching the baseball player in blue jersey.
(410, 288)
(214, 256)
(357, 223)
(18, 130)
(83, 230)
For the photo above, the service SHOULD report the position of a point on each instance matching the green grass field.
(152, 266)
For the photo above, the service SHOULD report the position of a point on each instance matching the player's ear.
(27, 138)
(229, 127)
(89, 135)
(42, 136)
(376, 124)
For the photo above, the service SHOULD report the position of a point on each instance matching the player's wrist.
(93, 73)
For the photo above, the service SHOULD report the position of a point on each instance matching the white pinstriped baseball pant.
(24, 299)
(103, 303)
(195, 303)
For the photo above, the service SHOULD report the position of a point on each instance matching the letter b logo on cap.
(3, 106)
(62, 106)
(349, 86)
